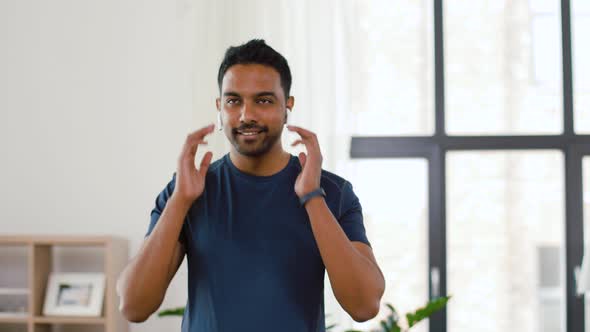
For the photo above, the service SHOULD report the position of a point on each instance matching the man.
(259, 227)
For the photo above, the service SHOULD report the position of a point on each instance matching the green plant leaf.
(172, 312)
(391, 321)
(430, 308)
(393, 315)
(390, 306)
(329, 327)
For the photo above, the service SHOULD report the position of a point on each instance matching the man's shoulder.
(216, 166)
(339, 194)
(332, 182)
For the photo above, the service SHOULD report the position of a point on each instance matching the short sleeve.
(159, 206)
(351, 215)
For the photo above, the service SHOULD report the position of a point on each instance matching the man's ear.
(290, 103)
(289, 108)
(218, 103)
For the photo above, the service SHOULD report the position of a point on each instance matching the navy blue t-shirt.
(253, 262)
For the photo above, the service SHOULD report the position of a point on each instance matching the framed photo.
(74, 294)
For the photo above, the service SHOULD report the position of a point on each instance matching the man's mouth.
(249, 132)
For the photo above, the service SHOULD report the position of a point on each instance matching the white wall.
(96, 98)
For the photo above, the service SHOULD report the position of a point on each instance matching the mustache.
(250, 126)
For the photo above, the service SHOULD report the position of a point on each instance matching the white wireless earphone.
(287, 116)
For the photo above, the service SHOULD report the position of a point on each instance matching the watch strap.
(318, 192)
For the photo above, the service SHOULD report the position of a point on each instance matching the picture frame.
(74, 294)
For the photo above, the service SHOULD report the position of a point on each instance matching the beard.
(257, 146)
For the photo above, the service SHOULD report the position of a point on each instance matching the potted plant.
(391, 323)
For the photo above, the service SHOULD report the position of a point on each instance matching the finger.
(308, 138)
(309, 145)
(189, 150)
(193, 140)
(297, 142)
(195, 144)
(205, 162)
(201, 133)
(302, 159)
(197, 137)
(304, 133)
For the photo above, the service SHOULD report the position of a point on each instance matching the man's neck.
(268, 164)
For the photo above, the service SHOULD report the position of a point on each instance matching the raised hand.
(311, 163)
(190, 181)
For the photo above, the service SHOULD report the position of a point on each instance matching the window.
(550, 290)
(396, 223)
(500, 162)
(398, 95)
(586, 204)
(503, 66)
(581, 64)
(504, 209)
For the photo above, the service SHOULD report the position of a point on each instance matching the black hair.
(256, 52)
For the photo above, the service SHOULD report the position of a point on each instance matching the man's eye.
(232, 101)
(264, 101)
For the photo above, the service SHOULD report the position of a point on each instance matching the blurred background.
(462, 125)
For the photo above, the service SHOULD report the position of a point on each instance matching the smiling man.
(259, 227)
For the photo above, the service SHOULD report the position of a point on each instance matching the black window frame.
(434, 148)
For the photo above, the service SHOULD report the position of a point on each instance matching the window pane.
(393, 193)
(503, 67)
(581, 67)
(586, 200)
(506, 241)
(397, 97)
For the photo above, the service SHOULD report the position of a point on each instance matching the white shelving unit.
(27, 262)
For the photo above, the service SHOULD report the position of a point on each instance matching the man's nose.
(247, 113)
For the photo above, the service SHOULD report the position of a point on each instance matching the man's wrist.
(178, 203)
(317, 193)
(314, 202)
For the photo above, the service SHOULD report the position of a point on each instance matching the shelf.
(14, 291)
(68, 320)
(57, 240)
(16, 317)
(31, 259)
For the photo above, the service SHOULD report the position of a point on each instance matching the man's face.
(253, 108)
